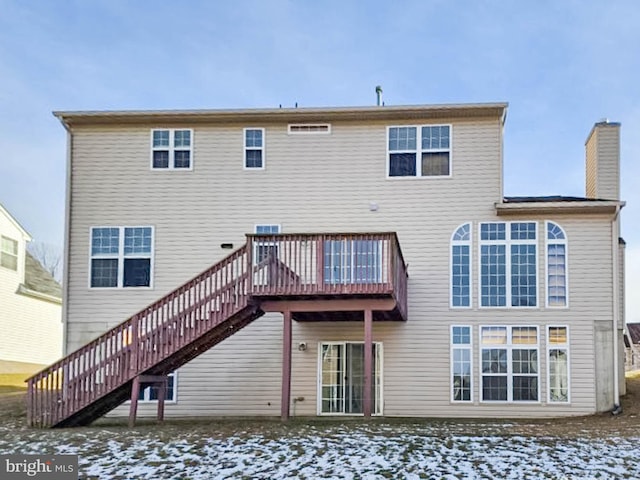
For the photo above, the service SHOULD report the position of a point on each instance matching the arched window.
(557, 293)
(461, 266)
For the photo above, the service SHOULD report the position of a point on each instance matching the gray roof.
(634, 332)
(38, 279)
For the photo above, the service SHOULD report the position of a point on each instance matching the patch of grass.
(13, 382)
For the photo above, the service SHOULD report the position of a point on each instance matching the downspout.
(615, 234)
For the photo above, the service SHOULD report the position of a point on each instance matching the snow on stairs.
(98, 377)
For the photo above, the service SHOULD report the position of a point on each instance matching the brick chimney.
(603, 161)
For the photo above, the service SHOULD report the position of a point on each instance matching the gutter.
(39, 295)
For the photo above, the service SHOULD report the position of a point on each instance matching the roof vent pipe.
(379, 95)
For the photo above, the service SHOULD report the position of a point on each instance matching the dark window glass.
(494, 388)
(137, 272)
(525, 388)
(104, 272)
(402, 165)
(254, 159)
(182, 159)
(161, 159)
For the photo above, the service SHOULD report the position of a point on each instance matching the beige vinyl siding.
(323, 183)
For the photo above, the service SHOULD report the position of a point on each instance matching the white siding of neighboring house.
(320, 183)
(31, 328)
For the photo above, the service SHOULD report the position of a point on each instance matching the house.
(330, 261)
(632, 346)
(30, 304)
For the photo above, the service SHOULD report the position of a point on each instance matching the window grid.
(426, 156)
(254, 157)
(509, 364)
(121, 257)
(508, 280)
(9, 253)
(171, 149)
(263, 250)
(461, 364)
(557, 295)
(558, 368)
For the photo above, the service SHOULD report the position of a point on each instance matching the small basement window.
(309, 128)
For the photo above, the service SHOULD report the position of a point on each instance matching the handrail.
(139, 342)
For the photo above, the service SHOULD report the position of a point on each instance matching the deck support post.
(286, 366)
(368, 361)
(160, 381)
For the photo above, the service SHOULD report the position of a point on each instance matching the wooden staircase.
(96, 378)
(196, 316)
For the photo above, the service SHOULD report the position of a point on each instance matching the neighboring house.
(339, 261)
(632, 346)
(30, 304)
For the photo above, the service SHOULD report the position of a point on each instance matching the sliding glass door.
(342, 378)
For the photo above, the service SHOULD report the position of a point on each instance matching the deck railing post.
(368, 362)
(286, 366)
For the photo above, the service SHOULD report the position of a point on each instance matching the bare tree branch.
(50, 256)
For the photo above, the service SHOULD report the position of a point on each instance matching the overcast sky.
(561, 65)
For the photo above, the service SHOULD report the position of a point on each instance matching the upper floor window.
(508, 264)
(8, 253)
(121, 257)
(171, 149)
(352, 261)
(556, 266)
(254, 148)
(419, 151)
(461, 266)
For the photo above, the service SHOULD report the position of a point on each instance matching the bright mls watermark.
(51, 467)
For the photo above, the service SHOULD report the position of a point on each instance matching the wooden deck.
(307, 277)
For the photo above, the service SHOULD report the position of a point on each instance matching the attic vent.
(309, 128)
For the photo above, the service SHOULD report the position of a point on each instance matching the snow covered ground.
(330, 451)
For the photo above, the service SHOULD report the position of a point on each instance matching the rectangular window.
(265, 250)
(352, 261)
(508, 280)
(341, 382)
(254, 148)
(309, 128)
(150, 393)
(121, 257)
(9, 253)
(461, 367)
(423, 151)
(171, 149)
(558, 346)
(509, 364)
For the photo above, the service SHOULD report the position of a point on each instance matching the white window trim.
(420, 150)
(469, 243)
(292, 131)
(10, 254)
(507, 243)
(245, 148)
(564, 242)
(558, 346)
(175, 393)
(509, 347)
(379, 347)
(461, 346)
(120, 257)
(350, 262)
(171, 148)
